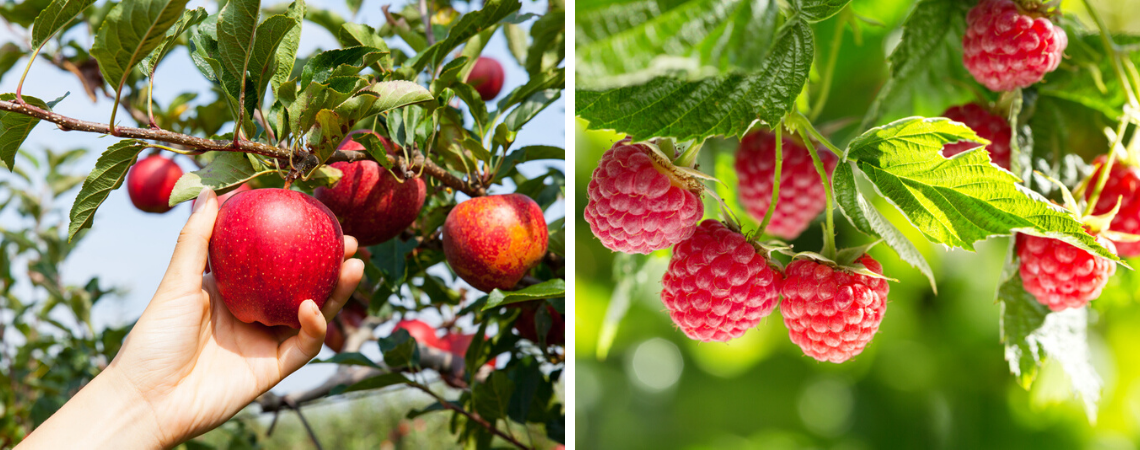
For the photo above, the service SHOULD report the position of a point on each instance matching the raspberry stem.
(776, 179)
(689, 156)
(1102, 178)
(804, 127)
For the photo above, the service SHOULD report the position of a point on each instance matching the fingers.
(190, 254)
(302, 348)
(350, 273)
(350, 245)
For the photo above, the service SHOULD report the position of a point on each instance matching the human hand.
(188, 362)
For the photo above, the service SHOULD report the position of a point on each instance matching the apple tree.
(411, 96)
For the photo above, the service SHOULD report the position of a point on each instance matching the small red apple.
(372, 204)
(424, 333)
(150, 183)
(351, 316)
(492, 241)
(527, 328)
(222, 198)
(272, 249)
(486, 77)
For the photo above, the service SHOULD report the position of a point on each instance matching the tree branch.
(302, 160)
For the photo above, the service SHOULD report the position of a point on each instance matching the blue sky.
(130, 249)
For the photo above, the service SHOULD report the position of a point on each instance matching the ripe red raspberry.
(801, 192)
(987, 125)
(638, 203)
(1005, 49)
(1124, 184)
(1060, 275)
(832, 313)
(718, 285)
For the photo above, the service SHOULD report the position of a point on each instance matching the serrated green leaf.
(492, 398)
(338, 63)
(356, 34)
(867, 219)
(546, 289)
(1031, 334)
(15, 128)
(328, 132)
(383, 97)
(108, 174)
(189, 18)
(263, 60)
(286, 55)
(548, 43)
(226, 171)
(468, 26)
(317, 96)
(724, 105)
(374, 147)
(57, 14)
(960, 200)
(527, 153)
(347, 359)
(555, 79)
(614, 39)
(817, 10)
(517, 42)
(130, 32)
(556, 240)
(236, 24)
(530, 108)
(23, 13)
(391, 257)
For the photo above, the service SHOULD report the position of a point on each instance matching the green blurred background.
(934, 377)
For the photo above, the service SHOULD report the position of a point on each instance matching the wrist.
(108, 412)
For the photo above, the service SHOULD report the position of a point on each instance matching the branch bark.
(302, 160)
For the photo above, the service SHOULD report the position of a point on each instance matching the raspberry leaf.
(616, 39)
(960, 200)
(723, 105)
(864, 217)
(1031, 333)
(817, 10)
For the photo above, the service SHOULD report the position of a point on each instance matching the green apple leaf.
(108, 174)
(546, 289)
(57, 14)
(189, 18)
(9, 54)
(468, 26)
(492, 398)
(286, 55)
(263, 60)
(548, 43)
(130, 32)
(225, 172)
(339, 63)
(400, 349)
(15, 128)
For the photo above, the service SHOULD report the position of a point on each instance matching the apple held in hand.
(492, 241)
(486, 77)
(372, 204)
(273, 249)
(150, 183)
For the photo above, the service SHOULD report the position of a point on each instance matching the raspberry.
(718, 285)
(801, 192)
(987, 125)
(639, 205)
(1124, 184)
(833, 313)
(1060, 275)
(1005, 49)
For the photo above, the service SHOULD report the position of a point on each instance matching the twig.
(473, 417)
(425, 14)
(312, 434)
(302, 160)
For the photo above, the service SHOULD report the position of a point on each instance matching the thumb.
(192, 250)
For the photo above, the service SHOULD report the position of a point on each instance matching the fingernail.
(201, 200)
(313, 306)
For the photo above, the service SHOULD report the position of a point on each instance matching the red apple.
(486, 77)
(527, 328)
(372, 204)
(222, 198)
(150, 182)
(351, 316)
(491, 242)
(272, 249)
(422, 332)
(458, 343)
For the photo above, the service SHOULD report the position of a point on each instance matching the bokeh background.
(130, 249)
(934, 377)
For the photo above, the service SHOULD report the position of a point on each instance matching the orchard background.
(126, 251)
(935, 375)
